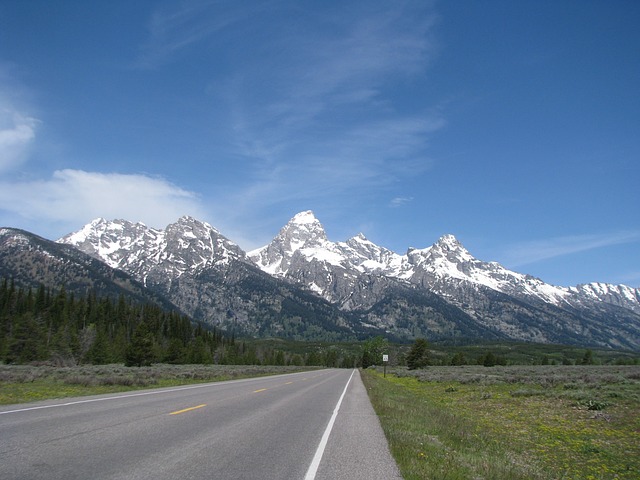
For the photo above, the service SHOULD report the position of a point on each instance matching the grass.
(516, 422)
(27, 383)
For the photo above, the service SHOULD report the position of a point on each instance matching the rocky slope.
(357, 274)
(211, 278)
(301, 281)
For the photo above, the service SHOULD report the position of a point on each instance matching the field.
(26, 383)
(514, 422)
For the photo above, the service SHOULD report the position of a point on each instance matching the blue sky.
(514, 126)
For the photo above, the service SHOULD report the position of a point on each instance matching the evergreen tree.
(418, 356)
(27, 342)
(199, 352)
(175, 351)
(43, 324)
(458, 359)
(139, 353)
(587, 359)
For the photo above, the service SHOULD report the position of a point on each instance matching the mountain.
(212, 279)
(31, 261)
(156, 257)
(357, 275)
(303, 285)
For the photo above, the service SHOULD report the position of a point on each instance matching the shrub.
(593, 404)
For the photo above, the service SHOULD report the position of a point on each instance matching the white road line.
(148, 392)
(315, 463)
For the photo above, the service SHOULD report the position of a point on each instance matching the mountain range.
(304, 286)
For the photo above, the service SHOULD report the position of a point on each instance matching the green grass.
(27, 383)
(511, 422)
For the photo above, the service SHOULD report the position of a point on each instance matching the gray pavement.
(263, 428)
(357, 447)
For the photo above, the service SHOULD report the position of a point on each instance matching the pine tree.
(458, 359)
(139, 353)
(587, 359)
(418, 356)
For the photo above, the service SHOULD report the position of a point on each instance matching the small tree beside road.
(418, 356)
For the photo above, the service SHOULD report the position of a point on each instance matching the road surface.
(313, 425)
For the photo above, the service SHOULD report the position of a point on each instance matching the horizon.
(512, 126)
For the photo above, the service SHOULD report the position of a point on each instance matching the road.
(313, 425)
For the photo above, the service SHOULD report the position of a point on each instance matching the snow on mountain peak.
(448, 242)
(303, 230)
(303, 233)
(350, 273)
(304, 218)
(186, 245)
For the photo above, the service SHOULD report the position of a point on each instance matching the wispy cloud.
(320, 119)
(71, 198)
(535, 251)
(176, 26)
(307, 103)
(17, 126)
(400, 201)
(17, 133)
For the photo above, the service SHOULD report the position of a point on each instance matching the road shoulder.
(357, 447)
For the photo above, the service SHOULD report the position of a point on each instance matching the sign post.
(385, 360)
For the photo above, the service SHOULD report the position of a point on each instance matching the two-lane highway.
(262, 428)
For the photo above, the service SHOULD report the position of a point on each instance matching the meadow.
(27, 383)
(511, 422)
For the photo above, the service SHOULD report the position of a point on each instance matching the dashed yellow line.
(261, 390)
(188, 409)
(288, 383)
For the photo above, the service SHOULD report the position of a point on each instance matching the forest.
(60, 328)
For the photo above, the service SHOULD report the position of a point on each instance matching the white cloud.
(535, 251)
(71, 198)
(17, 133)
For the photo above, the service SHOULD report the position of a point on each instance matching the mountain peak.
(360, 238)
(448, 246)
(304, 229)
(190, 222)
(304, 218)
(448, 240)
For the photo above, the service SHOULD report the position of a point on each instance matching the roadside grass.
(27, 383)
(516, 422)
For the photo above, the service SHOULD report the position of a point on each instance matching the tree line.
(63, 328)
(60, 327)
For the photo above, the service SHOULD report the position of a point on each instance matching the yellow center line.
(288, 383)
(261, 390)
(188, 409)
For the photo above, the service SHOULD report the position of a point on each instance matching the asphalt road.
(314, 425)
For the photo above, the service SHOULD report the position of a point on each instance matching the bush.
(593, 404)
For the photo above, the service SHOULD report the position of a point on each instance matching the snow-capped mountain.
(302, 253)
(357, 273)
(440, 291)
(620, 295)
(209, 277)
(304, 237)
(155, 256)
(31, 261)
(303, 242)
